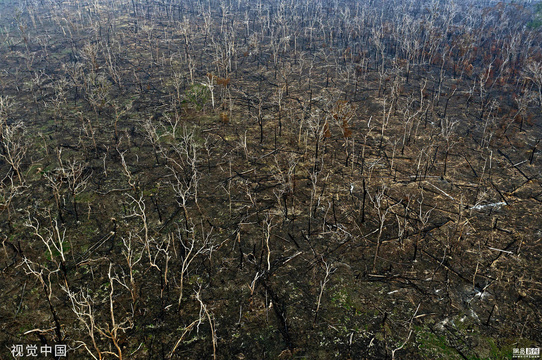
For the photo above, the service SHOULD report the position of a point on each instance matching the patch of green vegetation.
(536, 22)
(435, 344)
(197, 96)
(345, 299)
(194, 280)
(87, 229)
(494, 351)
(150, 192)
(47, 169)
(342, 299)
(24, 328)
(86, 197)
(34, 172)
(65, 247)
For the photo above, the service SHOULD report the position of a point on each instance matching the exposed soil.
(263, 180)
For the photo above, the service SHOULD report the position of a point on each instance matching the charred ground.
(279, 179)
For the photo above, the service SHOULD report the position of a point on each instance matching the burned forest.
(270, 179)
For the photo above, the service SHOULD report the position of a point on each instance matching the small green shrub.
(197, 96)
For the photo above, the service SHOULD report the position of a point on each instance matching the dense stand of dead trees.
(318, 131)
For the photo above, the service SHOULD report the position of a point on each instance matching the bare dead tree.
(138, 210)
(183, 160)
(14, 146)
(44, 276)
(77, 179)
(423, 216)
(379, 201)
(132, 181)
(286, 179)
(192, 247)
(54, 239)
(448, 132)
(84, 308)
(329, 269)
(205, 311)
(534, 72)
(133, 257)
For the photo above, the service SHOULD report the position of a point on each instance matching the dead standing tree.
(100, 327)
(13, 149)
(182, 156)
(382, 208)
(14, 145)
(54, 270)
